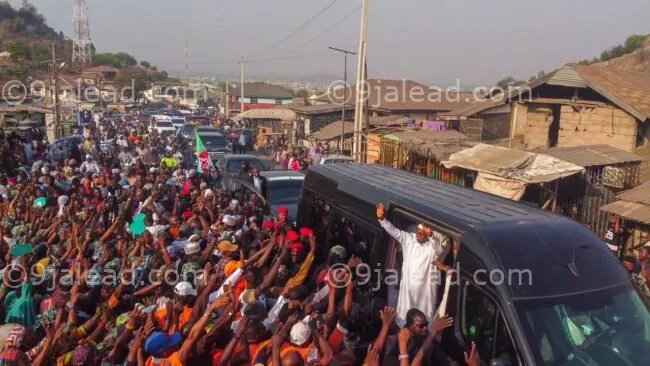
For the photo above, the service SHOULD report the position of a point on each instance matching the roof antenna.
(572, 265)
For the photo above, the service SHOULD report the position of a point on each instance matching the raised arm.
(397, 234)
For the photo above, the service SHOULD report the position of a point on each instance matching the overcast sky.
(431, 41)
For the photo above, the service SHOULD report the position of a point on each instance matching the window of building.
(253, 100)
(641, 131)
(278, 101)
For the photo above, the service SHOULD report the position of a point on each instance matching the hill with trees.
(24, 34)
(632, 55)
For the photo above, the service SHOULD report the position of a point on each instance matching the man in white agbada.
(420, 277)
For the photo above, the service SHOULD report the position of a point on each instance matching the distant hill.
(24, 33)
(25, 23)
(637, 60)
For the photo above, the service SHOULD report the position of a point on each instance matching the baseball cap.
(158, 343)
(185, 289)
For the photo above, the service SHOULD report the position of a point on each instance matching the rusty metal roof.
(321, 108)
(629, 210)
(592, 155)
(639, 194)
(333, 130)
(633, 204)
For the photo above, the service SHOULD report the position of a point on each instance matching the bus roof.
(504, 234)
(462, 207)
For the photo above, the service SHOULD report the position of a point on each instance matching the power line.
(259, 60)
(294, 32)
(331, 28)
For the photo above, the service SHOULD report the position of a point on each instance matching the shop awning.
(516, 165)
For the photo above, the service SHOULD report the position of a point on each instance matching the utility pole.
(361, 93)
(227, 100)
(345, 90)
(241, 98)
(55, 77)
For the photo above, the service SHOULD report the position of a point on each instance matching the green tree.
(118, 60)
(509, 82)
(18, 50)
(145, 64)
(164, 75)
(154, 68)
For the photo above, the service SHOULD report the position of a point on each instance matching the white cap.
(229, 220)
(115, 171)
(192, 247)
(184, 289)
(88, 156)
(299, 334)
(152, 170)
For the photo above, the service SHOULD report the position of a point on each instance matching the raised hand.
(442, 323)
(387, 315)
(473, 358)
(381, 214)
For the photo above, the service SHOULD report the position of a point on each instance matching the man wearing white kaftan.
(420, 277)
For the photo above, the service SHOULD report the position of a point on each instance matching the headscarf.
(62, 201)
(15, 337)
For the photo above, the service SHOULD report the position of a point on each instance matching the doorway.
(554, 128)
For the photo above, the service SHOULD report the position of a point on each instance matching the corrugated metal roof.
(639, 194)
(593, 155)
(567, 76)
(629, 210)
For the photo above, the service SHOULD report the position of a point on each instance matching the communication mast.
(81, 48)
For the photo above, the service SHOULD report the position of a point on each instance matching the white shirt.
(257, 181)
(420, 278)
(89, 166)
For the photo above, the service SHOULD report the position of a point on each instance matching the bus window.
(478, 318)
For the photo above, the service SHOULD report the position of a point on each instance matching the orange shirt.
(172, 360)
(336, 340)
(252, 351)
(160, 316)
(286, 348)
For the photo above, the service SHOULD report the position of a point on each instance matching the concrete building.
(258, 96)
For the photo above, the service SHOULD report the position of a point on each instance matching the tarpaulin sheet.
(513, 164)
(503, 187)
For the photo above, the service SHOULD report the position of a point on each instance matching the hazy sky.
(432, 41)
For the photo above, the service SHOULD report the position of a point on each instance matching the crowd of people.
(124, 255)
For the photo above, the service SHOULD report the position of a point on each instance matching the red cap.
(305, 231)
(187, 214)
(292, 236)
(268, 225)
(282, 210)
(296, 247)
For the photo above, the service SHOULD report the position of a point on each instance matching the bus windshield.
(603, 327)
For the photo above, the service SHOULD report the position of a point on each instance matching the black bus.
(559, 297)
